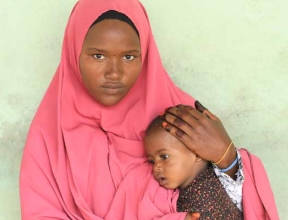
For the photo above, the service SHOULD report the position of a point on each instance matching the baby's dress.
(207, 196)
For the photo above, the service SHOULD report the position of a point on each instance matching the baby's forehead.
(155, 132)
(158, 133)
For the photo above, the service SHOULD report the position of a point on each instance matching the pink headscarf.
(77, 151)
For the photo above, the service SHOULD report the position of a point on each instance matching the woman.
(87, 132)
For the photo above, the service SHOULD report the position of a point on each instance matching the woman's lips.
(112, 88)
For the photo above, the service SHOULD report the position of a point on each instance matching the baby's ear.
(198, 158)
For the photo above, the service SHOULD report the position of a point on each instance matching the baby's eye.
(128, 57)
(150, 161)
(164, 156)
(99, 56)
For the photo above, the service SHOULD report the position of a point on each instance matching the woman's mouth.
(112, 88)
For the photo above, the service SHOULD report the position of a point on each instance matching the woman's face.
(110, 60)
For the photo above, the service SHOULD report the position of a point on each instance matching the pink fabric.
(77, 152)
(258, 198)
(152, 201)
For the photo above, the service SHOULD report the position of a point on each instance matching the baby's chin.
(169, 188)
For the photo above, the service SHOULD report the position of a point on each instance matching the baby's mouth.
(161, 180)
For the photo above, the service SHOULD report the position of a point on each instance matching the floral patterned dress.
(207, 196)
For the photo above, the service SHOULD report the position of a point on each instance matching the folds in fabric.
(78, 152)
(152, 201)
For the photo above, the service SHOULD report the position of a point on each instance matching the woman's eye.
(164, 156)
(128, 57)
(98, 56)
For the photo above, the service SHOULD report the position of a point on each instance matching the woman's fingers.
(187, 125)
(210, 115)
(188, 119)
(202, 133)
(198, 113)
(179, 134)
(188, 109)
(199, 106)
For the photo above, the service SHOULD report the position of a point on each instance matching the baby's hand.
(192, 216)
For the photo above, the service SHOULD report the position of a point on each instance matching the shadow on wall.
(12, 140)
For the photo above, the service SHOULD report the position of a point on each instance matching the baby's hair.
(154, 124)
(111, 14)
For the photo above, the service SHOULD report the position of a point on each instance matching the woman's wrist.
(228, 160)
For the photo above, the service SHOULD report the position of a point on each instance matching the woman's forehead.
(112, 34)
(115, 15)
(86, 12)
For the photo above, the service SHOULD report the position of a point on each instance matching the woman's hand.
(202, 132)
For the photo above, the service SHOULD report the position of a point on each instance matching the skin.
(203, 133)
(174, 165)
(169, 156)
(110, 61)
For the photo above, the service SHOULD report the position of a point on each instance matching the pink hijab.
(77, 151)
(151, 201)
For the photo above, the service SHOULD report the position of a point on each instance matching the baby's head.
(174, 165)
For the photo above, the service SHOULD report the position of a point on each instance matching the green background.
(231, 55)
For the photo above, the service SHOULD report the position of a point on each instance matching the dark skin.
(110, 63)
(203, 133)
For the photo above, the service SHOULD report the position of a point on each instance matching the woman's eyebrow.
(94, 48)
(132, 51)
(125, 51)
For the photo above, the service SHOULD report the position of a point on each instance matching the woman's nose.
(114, 69)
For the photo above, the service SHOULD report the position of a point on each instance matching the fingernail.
(199, 106)
(166, 126)
(181, 112)
(178, 122)
(179, 133)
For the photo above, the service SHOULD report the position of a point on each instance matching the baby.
(176, 167)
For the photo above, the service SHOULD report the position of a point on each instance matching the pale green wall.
(231, 55)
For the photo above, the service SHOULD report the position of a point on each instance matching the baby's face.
(172, 162)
